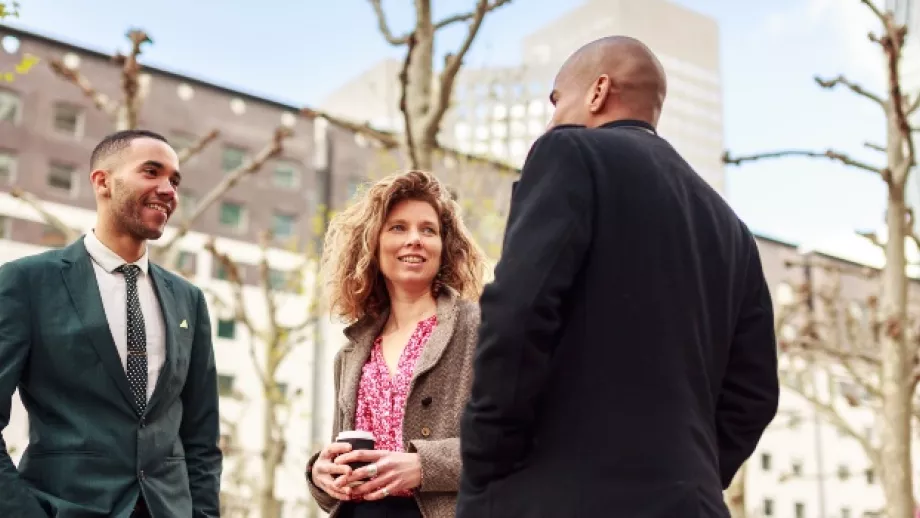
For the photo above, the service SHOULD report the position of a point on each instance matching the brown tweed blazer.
(438, 393)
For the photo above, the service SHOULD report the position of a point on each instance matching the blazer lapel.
(361, 338)
(440, 337)
(164, 290)
(80, 280)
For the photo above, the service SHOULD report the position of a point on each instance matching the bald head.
(609, 79)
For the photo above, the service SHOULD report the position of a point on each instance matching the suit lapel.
(164, 290)
(80, 280)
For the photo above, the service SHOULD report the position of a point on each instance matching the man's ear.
(101, 182)
(599, 94)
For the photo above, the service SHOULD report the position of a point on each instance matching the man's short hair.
(117, 142)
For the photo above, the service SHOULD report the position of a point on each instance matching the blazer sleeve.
(15, 342)
(750, 388)
(326, 502)
(200, 427)
(548, 233)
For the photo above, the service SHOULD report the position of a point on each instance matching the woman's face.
(410, 245)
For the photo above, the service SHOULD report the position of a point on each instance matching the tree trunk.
(896, 361)
(420, 81)
(735, 494)
(270, 507)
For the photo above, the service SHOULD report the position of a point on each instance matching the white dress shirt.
(114, 301)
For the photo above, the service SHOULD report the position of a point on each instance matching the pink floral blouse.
(382, 398)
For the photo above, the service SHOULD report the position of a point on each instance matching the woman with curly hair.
(402, 269)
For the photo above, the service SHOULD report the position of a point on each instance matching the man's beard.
(126, 210)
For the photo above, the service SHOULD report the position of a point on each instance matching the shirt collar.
(106, 258)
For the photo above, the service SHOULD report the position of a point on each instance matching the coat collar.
(362, 334)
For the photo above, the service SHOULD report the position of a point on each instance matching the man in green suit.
(113, 359)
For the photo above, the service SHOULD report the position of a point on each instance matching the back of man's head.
(612, 78)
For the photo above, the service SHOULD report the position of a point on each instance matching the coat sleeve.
(326, 502)
(15, 341)
(548, 233)
(200, 427)
(750, 388)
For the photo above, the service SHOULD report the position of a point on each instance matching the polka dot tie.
(137, 338)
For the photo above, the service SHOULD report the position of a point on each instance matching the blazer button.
(426, 431)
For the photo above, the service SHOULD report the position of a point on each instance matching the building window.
(225, 384)
(843, 473)
(181, 141)
(282, 225)
(220, 271)
(187, 203)
(799, 510)
(226, 328)
(845, 512)
(870, 476)
(286, 175)
(5, 230)
(768, 507)
(277, 279)
(10, 107)
(61, 177)
(797, 468)
(232, 215)
(7, 167)
(185, 263)
(231, 158)
(765, 461)
(68, 119)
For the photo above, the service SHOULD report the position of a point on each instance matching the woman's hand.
(325, 470)
(389, 472)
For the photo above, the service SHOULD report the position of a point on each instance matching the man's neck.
(407, 308)
(127, 247)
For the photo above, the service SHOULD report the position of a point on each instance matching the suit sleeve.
(200, 428)
(15, 341)
(548, 233)
(750, 389)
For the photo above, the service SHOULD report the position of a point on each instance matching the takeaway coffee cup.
(359, 440)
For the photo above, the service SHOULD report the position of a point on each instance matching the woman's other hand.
(388, 473)
(329, 475)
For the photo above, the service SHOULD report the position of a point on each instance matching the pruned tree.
(272, 342)
(425, 93)
(884, 355)
(125, 114)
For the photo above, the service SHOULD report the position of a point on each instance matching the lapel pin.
(184, 324)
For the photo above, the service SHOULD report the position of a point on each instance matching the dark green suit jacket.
(90, 453)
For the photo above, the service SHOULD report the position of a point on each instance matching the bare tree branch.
(452, 63)
(830, 154)
(384, 27)
(403, 102)
(187, 153)
(99, 99)
(875, 147)
(914, 105)
(130, 84)
(464, 17)
(249, 166)
(833, 416)
(855, 88)
(70, 234)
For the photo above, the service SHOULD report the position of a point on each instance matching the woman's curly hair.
(350, 266)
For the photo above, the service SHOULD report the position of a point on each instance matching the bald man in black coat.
(627, 362)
